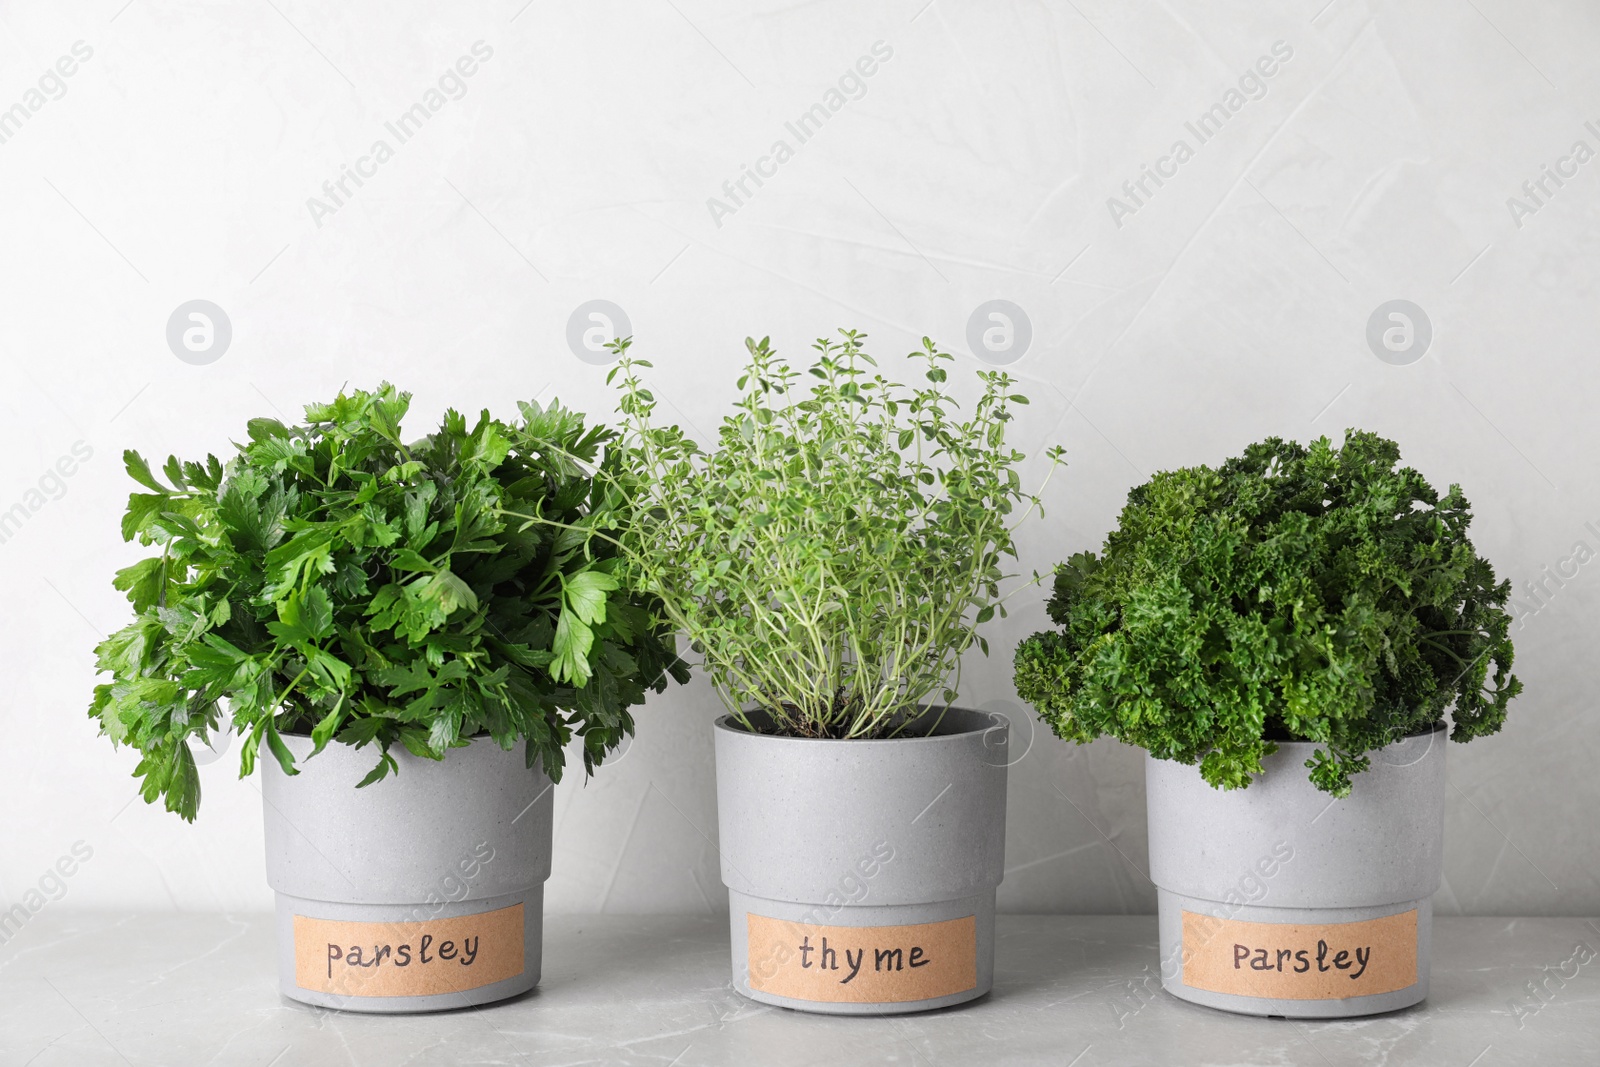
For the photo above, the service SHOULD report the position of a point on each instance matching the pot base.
(849, 959)
(400, 948)
(1237, 947)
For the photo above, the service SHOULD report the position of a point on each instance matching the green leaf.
(449, 593)
(266, 429)
(585, 595)
(573, 640)
(280, 750)
(250, 746)
(142, 509)
(183, 784)
(386, 766)
(330, 672)
(304, 617)
(307, 553)
(140, 471)
(405, 559)
(252, 517)
(324, 730)
(142, 582)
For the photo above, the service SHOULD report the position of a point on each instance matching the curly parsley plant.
(334, 581)
(832, 556)
(1316, 594)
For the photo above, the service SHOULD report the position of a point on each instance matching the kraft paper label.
(863, 964)
(408, 959)
(1283, 961)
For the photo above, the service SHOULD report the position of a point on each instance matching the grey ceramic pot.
(422, 892)
(1280, 900)
(861, 874)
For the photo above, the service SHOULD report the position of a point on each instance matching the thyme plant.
(833, 555)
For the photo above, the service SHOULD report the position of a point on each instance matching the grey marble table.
(80, 990)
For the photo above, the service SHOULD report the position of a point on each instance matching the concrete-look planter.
(861, 875)
(1280, 900)
(422, 892)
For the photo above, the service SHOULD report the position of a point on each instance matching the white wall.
(1232, 304)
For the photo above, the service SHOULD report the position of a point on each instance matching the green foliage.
(832, 557)
(1316, 594)
(330, 580)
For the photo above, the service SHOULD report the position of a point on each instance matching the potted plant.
(1296, 623)
(831, 558)
(412, 651)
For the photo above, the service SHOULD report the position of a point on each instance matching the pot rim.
(1437, 727)
(992, 721)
